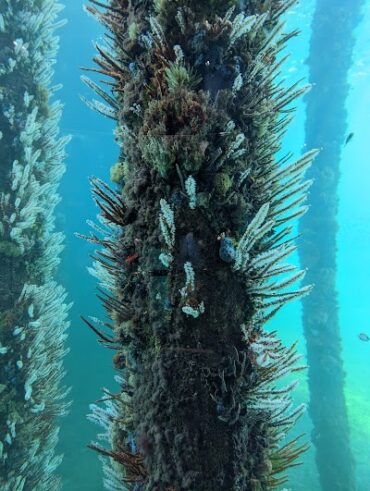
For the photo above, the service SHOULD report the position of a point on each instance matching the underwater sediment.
(33, 312)
(194, 243)
(330, 57)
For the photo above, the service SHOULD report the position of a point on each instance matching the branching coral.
(206, 212)
(33, 312)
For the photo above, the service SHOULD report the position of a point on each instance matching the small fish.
(363, 337)
(349, 138)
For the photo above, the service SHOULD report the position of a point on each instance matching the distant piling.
(33, 312)
(330, 57)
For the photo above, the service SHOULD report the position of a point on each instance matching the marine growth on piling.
(33, 312)
(194, 243)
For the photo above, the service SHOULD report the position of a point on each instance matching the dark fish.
(349, 138)
(363, 336)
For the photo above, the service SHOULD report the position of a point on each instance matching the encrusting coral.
(33, 312)
(194, 243)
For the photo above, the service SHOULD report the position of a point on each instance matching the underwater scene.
(184, 245)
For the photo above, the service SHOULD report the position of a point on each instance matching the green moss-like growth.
(174, 129)
(118, 172)
(10, 249)
(178, 76)
(133, 31)
(223, 183)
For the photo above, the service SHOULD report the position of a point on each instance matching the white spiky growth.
(33, 312)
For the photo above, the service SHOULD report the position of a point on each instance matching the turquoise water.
(93, 151)
(353, 253)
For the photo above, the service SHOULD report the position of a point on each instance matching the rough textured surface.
(332, 27)
(33, 315)
(194, 244)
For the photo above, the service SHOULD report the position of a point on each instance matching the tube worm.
(193, 245)
(33, 312)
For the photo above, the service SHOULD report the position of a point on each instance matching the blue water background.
(93, 151)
